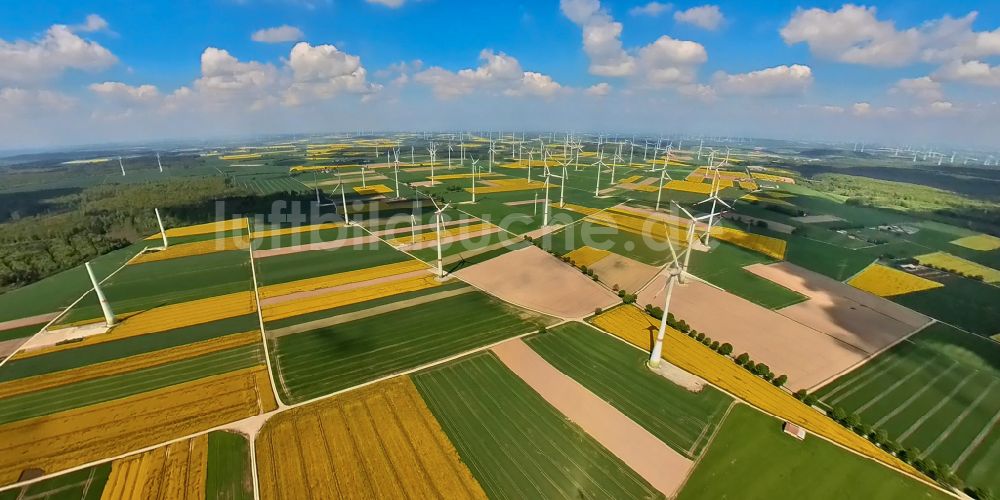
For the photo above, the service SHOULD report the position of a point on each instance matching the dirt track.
(533, 279)
(657, 463)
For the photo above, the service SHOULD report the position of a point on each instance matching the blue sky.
(915, 72)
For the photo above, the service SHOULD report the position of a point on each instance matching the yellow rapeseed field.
(269, 233)
(748, 185)
(346, 297)
(125, 365)
(587, 256)
(630, 180)
(688, 187)
(67, 439)
(952, 263)
(373, 189)
(448, 177)
(981, 242)
(192, 249)
(332, 280)
(773, 178)
(888, 282)
(248, 156)
(771, 247)
(380, 441)
(634, 326)
(511, 185)
(177, 470)
(445, 233)
(211, 227)
(165, 318)
(653, 228)
(723, 174)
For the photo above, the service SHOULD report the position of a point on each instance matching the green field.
(98, 390)
(107, 351)
(302, 265)
(938, 392)
(824, 258)
(516, 444)
(307, 238)
(84, 484)
(229, 476)
(752, 458)
(616, 372)
(723, 267)
(968, 304)
(20, 332)
(322, 361)
(153, 284)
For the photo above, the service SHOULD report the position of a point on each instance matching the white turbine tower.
(600, 166)
(692, 226)
(546, 207)
(714, 198)
(475, 161)
(659, 192)
(109, 315)
(432, 149)
(163, 232)
(122, 165)
(437, 228)
(158, 162)
(674, 271)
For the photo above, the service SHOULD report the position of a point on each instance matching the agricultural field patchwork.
(888, 282)
(958, 265)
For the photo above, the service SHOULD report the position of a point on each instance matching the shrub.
(700, 337)
(742, 359)
(584, 269)
(594, 277)
(615, 288)
(542, 329)
(811, 400)
(656, 312)
(768, 375)
(621, 293)
(800, 394)
(838, 414)
(780, 380)
(853, 421)
(761, 369)
(597, 310)
(683, 326)
(715, 345)
(891, 446)
(750, 366)
(726, 349)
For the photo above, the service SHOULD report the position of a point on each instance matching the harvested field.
(944, 260)
(173, 471)
(484, 234)
(533, 279)
(380, 441)
(516, 444)
(339, 279)
(445, 233)
(885, 281)
(165, 318)
(661, 466)
(688, 187)
(330, 300)
(773, 178)
(586, 256)
(511, 185)
(270, 233)
(211, 227)
(806, 355)
(125, 365)
(632, 325)
(628, 274)
(816, 219)
(67, 439)
(373, 189)
(190, 249)
(852, 316)
(981, 242)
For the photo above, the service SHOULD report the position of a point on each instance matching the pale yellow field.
(164, 318)
(445, 233)
(125, 365)
(949, 262)
(67, 439)
(771, 247)
(268, 233)
(377, 442)
(448, 177)
(652, 228)
(511, 185)
(773, 178)
(192, 249)
(342, 298)
(748, 185)
(587, 256)
(723, 174)
(249, 156)
(888, 282)
(981, 242)
(177, 470)
(211, 227)
(634, 326)
(372, 189)
(688, 187)
(629, 180)
(332, 280)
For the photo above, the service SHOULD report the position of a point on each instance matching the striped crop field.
(885, 281)
(327, 359)
(67, 439)
(331, 300)
(270, 233)
(616, 372)
(515, 443)
(380, 441)
(980, 242)
(511, 185)
(173, 471)
(633, 325)
(958, 265)
(83, 484)
(938, 392)
(191, 249)
(211, 227)
(688, 187)
(373, 189)
(340, 279)
(766, 245)
(445, 233)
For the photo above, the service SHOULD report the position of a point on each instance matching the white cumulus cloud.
(322, 72)
(601, 37)
(651, 9)
(852, 34)
(91, 24)
(669, 62)
(923, 88)
(497, 72)
(973, 72)
(600, 90)
(278, 34)
(124, 92)
(779, 80)
(707, 17)
(58, 50)
(17, 100)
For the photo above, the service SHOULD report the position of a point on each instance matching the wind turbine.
(109, 315)
(674, 272)
(475, 161)
(122, 165)
(659, 192)
(163, 233)
(714, 198)
(545, 212)
(437, 230)
(600, 166)
(158, 162)
(690, 238)
(432, 149)
(493, 153)
(449, 155)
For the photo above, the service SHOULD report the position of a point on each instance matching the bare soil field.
(806, 355)
(629, 274)
(533, 279)
(657, 463)
(814, 219)
(32, 320)
(853, 316)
